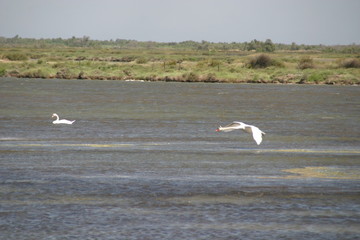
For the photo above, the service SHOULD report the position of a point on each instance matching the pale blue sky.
(283, 21)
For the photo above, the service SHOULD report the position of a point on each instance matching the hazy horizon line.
(215, 42)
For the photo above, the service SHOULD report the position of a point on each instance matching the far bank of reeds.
(301, 67)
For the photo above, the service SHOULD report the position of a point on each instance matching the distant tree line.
(254, 45)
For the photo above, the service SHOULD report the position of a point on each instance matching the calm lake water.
(143, 161)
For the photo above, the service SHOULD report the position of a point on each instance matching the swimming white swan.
(255, 131)
(61, 121)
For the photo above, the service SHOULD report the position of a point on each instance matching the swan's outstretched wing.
(257, 135)
(232, 126)
(248, 129)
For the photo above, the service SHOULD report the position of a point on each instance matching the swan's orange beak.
(217, 130)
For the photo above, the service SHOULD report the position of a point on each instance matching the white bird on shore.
(61, 121)
(255, 131)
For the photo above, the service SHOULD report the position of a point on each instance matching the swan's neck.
(57, 117)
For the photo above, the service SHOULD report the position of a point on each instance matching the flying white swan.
(61, 121)
(255, 131)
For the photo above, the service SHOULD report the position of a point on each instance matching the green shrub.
(351, 63)
(141, 60)
(232, 70)
(124, 59)
(306, 62)
(82, 75)
(63, 74)
(59, 65)
(190, 77)
(170, 63)
(2, 72)
(260, 61)
(214, 63)
(16, 57)
(127, 72)
(36, 73)
(210, 77)
(317, 77)
(202, 63)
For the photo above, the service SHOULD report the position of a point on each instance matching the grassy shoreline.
(291, 67)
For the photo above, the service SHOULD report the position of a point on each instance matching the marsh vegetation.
(254, 62)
